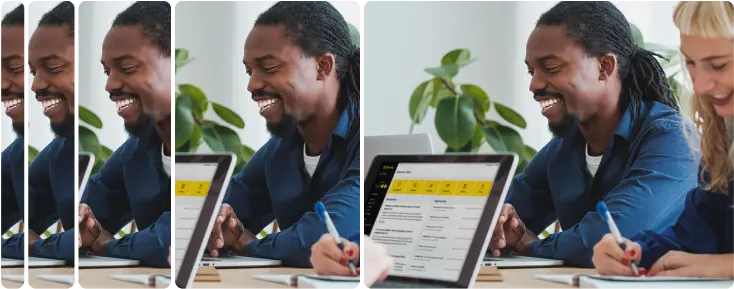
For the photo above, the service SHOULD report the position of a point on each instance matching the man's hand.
(681, 264)
(99, 246)
(32, 238)
(89, 228)
(508, 231)
(228, 231)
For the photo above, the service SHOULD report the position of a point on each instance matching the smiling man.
(13, 163)
(135, 182)
(619, 138)
(51, 174)
(304, 75)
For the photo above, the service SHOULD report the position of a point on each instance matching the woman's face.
(710, 62)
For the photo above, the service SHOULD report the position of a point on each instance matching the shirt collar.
(624, 127)
(342, 126)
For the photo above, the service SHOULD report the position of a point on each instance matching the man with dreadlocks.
(304, 75)
(619, 138)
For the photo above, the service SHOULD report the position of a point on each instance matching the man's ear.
(326, 64)
(607, 66)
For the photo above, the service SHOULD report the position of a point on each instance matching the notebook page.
(192, 186)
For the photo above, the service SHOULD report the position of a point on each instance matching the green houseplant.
(88, 140)
(671, 62)
(461, 112)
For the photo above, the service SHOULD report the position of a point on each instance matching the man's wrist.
(240, 247)
(523, 247)
(99, 246)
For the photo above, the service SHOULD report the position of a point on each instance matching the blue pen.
(604, 212)
(324, 216)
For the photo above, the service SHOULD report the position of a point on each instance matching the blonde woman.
(327, 259)
(700, 243)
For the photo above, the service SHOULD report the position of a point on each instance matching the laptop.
(396, 144)
(36, 262)
(86, 163)
(9, 262)
(514, 261)
(201, 182)
(435, 214)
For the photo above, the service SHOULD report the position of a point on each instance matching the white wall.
(215, 33)
(6, 126)
(95, 20)
(400, 45)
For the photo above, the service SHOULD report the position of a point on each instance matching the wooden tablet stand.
(207, 274)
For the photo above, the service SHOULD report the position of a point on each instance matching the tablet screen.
(426, 214)
(192, 185)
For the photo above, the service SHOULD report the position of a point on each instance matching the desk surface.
(242, 278)
(12, 271)
(38, 283)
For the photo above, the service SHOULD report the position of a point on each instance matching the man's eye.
(56, 69)
(18, 69)
(270, 69)
(128, 69)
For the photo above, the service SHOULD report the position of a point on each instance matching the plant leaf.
(197, 97)
(88, 141)
(503, 139)
(637, 35)
(419, 101)
(446, 71)
(105, 153)
(247, 153)
(32, 153)
(510, 115)
(228, 115)
(661, 49)
(455, 121)
(195, 139)
(479, 95)
(89, 117)
(461, 57)
(478, 138)
(221, 138)
(184, 120)
(182, 58)
(529, 152)
(440, 94)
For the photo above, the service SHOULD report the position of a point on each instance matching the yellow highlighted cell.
(430, 187)
(414, 187)
(183, 188)
(200, 189)
(398, 187)
(481, 189)
(464, 188)
(447, 188)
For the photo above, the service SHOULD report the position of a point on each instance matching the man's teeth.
(12, 103)
(124, 103)
(547, 103)
(266, 103)
(50, 103)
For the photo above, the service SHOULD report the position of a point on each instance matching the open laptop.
(86, 163)
(9, 263)
(435, 214)
(201, 182)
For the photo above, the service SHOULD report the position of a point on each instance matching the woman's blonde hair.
(710, 19)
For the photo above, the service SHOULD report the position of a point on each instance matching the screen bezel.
(197, 243)
(87, 159)
(507, 165)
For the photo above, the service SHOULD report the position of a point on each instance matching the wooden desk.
(100, 278)
(511, 278)
(38, 283)
(12, 271)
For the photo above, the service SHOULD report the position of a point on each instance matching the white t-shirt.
(166, 162)
(592, 162)
(311, 162)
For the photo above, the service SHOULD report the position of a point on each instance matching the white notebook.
(598, 281)
(311, 280)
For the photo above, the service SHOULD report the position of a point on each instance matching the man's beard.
(140, 125)
(19, 128)
(283, 128)
(567, 125)
(66, 128)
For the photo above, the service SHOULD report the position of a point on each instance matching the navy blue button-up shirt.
(51, 190)
(274, 185)
(13, 171)
(132, 185)
(645, 173)
(705, 227)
